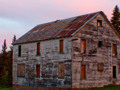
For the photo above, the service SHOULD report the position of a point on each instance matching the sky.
(17, 17)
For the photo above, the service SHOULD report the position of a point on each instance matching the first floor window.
(83, 72)
(21, 70)
(37, 70)
(61, 70)
(100, 67)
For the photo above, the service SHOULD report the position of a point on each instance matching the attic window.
(99, 23)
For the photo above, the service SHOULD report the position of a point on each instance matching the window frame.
(19, 50)
(100, 67)
(82, 71)
(19, 74)
(99, 23)
(38, 48)
(61, 70)
(114, 50)
(83, 41)
(61, 46)
(100, 44)
(38, 72)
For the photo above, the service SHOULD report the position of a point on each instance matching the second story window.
(99, 23)
(83, 46)
(100, 44)
(61, 46)
(114, 50)
(100, 67)
(38, 48)
(19, 51)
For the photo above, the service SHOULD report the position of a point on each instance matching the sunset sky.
(19, 16)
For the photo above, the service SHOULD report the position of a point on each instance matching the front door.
(114, 71)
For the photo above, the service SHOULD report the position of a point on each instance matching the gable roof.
(57, 29)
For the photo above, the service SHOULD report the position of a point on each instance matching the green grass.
(110, 87)
(5, 88)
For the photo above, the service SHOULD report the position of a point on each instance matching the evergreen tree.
(115, 20)
(4, 47)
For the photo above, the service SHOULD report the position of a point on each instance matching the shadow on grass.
(109, 87)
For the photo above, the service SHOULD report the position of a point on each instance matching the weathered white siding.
(48, 60)
(92, 34)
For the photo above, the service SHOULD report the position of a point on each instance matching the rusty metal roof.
(56, 29)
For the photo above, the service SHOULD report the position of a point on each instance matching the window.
(19, 50)
(83, 46)
(83, 72)
(114, 50)
(100, 44)
(61, 70)
(99, 23)
(37, 70)
(21, 70)
(38, 48)
(100, 67)
(119, 68)
(61, 45)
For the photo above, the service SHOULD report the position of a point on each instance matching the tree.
(4, 48)
(115, 20)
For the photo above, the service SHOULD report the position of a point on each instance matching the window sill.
(61, 53)
(21, 76)
(38, 55)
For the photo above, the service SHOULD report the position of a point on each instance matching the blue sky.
(19, 16)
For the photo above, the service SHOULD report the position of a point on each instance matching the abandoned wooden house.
(78, 52)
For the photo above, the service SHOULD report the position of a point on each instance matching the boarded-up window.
(61, 70)
(83, 46)
(83, 72)
(38, 48)
(114, 50)
(21, 70)
(99, 23)
(37, 70)
(19, 50)
(100, 67)
(61, 46)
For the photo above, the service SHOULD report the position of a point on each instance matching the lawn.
(5, 88)
(110, 87)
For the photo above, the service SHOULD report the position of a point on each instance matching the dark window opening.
(99, 23)
(100, 44)
(19, 50)
(114, 72)
(61, 46)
